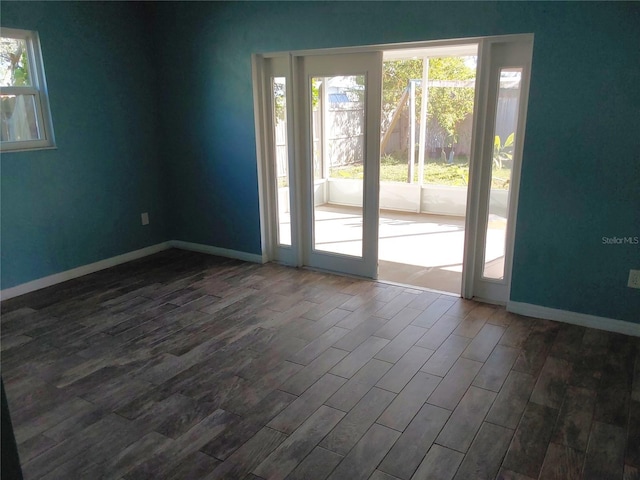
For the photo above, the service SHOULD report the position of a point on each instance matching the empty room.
(320, 240)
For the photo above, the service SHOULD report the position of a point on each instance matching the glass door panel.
(275, 103)
(281, 158)
(504, 132)
(338, 128)
(505, 79)
(341, 139)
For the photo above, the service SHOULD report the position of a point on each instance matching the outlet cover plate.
(634, 279)
(144, 218)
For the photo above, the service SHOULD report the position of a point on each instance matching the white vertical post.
(324, 140)
(412, 130)
(423, 119)
(423, 127)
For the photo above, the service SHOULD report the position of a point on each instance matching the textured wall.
(81, 202)
(581, 173)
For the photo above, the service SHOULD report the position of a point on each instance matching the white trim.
(527, 309)
(369, 64)
(221, 252)
(56, 278)
(422, 44)
(257, 75)
(498, 54)
(575, 318)
(81, 271)
(475, 170)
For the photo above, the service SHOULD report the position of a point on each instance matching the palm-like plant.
(503, 151)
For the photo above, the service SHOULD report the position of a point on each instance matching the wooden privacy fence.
(345, 134)
(344, 139)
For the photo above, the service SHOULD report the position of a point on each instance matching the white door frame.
(264, 68)
(475, 219)
(369, 64)
(495, 53)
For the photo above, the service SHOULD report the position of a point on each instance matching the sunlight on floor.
(414, 249)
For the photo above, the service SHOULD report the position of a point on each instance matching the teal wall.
(581, 170)
(81, 202)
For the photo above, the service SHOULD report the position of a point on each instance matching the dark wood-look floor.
(186, 366)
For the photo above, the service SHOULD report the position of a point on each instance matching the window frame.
(37, 89)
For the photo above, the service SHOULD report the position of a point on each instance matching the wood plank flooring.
(187, 366)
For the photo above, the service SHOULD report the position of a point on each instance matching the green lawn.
(393, 170)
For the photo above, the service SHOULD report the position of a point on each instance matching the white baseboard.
(582, 319)
(526, 309)
(221, 252)
(125, 257)
(81, 271)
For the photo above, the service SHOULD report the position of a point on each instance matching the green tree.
(395, 78)
(14, 69)
(448, 105)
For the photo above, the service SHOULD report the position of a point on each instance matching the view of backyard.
(393, 169)
(442, 131)
(425, 147)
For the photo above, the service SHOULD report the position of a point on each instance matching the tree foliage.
(14, 68)
(449, 106)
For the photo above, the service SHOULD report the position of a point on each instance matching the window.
(25, 116)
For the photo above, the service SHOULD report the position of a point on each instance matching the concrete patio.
(414, 249)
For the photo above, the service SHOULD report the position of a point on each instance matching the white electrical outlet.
(144, 217)
(634, 279)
